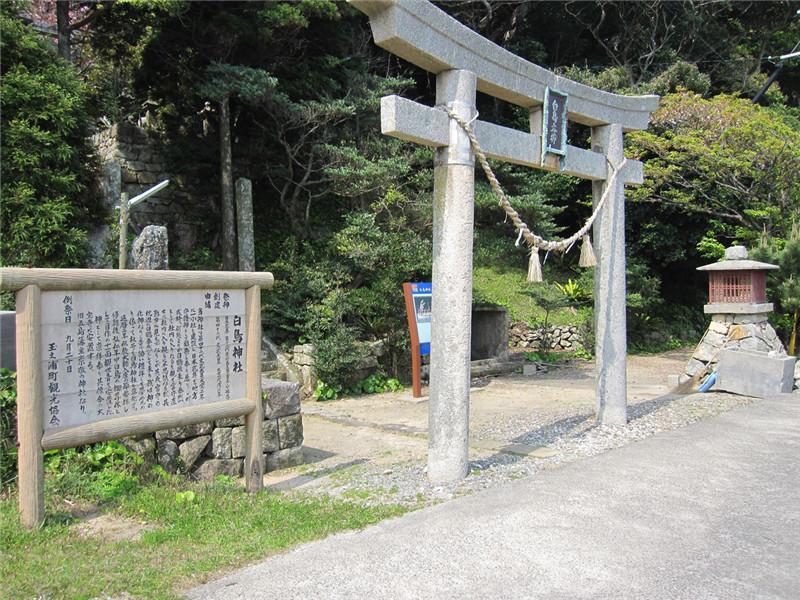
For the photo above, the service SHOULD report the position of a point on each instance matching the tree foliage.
(47, 162)
(732, 161)
(343, 214)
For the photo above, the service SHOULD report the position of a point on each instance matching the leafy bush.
(99, 472)
(8, 428)
(574, 291)
(783, 284)
(323, 391)
(347, 290)
(337, 354)
(376, 384)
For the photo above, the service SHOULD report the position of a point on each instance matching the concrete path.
(708, 511)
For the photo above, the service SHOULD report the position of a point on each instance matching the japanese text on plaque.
(117, 353)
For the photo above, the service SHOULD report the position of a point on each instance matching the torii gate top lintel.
(428, 37)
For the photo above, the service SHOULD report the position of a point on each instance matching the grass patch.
(216, 528)
(507, 287)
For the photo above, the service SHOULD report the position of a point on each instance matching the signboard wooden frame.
(418, 348)
(33, 440)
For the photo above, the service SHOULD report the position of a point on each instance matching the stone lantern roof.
(736, 260)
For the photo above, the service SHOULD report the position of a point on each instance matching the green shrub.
(99, 472)
(338, 355)
(376, 383)
(8, 428)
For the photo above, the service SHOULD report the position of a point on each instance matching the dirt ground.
(383, 430)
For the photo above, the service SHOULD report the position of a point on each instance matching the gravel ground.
(567, 434)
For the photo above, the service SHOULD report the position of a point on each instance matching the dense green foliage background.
(343, 213)
(46, 167)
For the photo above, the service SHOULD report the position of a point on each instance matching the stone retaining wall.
(560, 337)
(133, 161)
(210, 449)
(302, 357)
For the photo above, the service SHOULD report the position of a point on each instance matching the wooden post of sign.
(254, 421)
(30, 414)
(416, 359)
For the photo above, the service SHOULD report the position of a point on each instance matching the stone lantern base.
(750, 332)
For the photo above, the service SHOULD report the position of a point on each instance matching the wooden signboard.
(418, 313)
(106, 354)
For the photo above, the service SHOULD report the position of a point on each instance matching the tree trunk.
(62, 21)
(229, 258)
(792, 350)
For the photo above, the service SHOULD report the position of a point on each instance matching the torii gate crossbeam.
(464, 63)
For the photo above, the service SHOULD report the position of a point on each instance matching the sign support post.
(416, 357)
(30, 415)
(254, 460)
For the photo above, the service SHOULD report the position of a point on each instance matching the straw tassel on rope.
(587, 259)
(534, 267)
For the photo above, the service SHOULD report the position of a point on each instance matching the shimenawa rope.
(534, 241)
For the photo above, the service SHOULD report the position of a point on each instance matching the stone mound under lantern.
(739, 312)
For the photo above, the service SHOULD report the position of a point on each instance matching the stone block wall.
(561, 337)
(302, 358)
(132, 160)
(218, 448)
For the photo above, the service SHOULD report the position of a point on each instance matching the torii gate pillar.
(609, 286)
(453, 216)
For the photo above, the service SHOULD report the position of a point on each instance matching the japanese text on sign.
(554, 127)
(110, 354)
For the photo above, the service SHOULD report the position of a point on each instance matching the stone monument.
(150, 250)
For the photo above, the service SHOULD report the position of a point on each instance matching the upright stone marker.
(150, 250)
(244, 224)
(463, 61)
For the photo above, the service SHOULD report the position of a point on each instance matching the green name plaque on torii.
(554, 123)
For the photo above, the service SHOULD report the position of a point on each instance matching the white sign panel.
(117, 353)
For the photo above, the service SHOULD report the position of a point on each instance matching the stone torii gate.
(464, 62)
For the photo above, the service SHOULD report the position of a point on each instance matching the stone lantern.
(737, 303)
(738, 286)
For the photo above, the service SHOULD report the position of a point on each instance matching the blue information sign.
(421, 298)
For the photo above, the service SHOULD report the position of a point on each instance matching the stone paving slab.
(711, 510)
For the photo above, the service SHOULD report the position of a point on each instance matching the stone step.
(490, 366)
(497, 368)
(278, 374)
(511, 358)
(270, 365)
